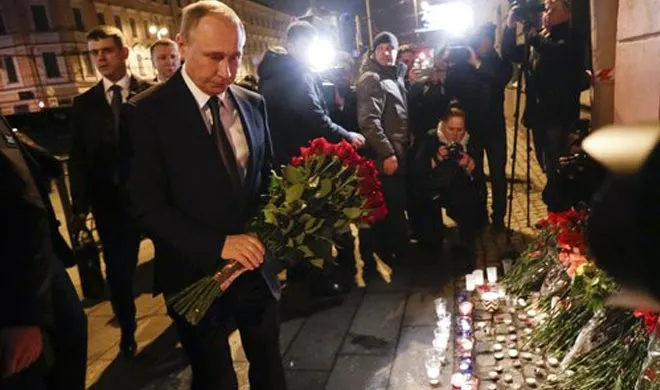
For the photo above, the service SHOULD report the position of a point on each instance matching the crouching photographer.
(444, 175)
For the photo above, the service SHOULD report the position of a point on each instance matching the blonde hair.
(193, 13)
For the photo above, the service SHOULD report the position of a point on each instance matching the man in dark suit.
(98, 176)
(201, 160)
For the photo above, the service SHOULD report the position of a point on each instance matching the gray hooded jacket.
(383, 112)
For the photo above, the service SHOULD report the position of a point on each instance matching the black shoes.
(128, 346)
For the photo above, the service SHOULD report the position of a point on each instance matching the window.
(78, 20)
(133, 27)
(146, 29)
(40, 18)
(87, 65)
(118, 23)
(3, 28)
(100, 18)
(52, 68)
(10, 67)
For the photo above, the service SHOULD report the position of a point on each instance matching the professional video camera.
(527, 9)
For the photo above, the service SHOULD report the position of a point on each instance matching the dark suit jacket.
(181, 192)
(95, 151)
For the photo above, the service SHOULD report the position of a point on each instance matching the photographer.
(553, 83)
(445, 175)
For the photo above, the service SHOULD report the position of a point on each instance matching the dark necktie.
(222, 140)
(115, 104)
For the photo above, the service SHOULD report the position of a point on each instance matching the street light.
(158, 32)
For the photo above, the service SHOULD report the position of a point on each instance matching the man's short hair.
(104, 32)
(161, 42)
(408, 48)
(298, 30)
(193, 13)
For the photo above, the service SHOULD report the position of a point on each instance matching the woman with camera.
(444, 176)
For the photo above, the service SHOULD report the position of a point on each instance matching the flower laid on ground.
(319, 195)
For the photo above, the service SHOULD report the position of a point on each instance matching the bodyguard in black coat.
(98, 171)
(202, 158)
(43, 329)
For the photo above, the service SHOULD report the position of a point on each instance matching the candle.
(457, 381)
(465, 308)
(498, 356)
(500, 339)
(497, 347)
(516, 364)
(465, 344)
(433, 363)
(553, 362)
(513, 353)
(478, 277)
(464, 327)
(440, 307)
(508, 378)
(491, 272)
(469, 282)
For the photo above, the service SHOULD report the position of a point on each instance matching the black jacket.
(428, 104)
(296, 107)
(554, 77)
(96, 154)
(470, 86)
(496, 73)
(26, 251)
(181, 193)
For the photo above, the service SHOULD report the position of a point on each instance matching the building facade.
(44, 61)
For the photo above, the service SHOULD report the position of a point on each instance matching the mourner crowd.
(182, 160)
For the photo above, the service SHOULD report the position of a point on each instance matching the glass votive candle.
(445, 322)
(433, 365)
(465, 345)
(469, 282)
(478, 277)
(491, 273)
(440, 307)
(465, 308)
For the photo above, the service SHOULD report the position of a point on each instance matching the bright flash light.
(320, 55)
(41, 104)
(164, 31)
(153, 29)
(455, 18)
(424, 5)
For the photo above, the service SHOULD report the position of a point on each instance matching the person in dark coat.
(444, 174)
(383, 119)
(98, 171)
(496, 73)
(554, 80)
(297, 110)
(43, 329)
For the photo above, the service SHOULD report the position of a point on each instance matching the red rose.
(375, 201)
(321, 146)
(304, 152)
(367, 168)
(344, 151)
(297, 161)
(380, 213)
(368, 185)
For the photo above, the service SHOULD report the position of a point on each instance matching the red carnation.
(321, 146)
(375, 201)
(380, 213)
(345, 151)
(304, 151)
(297, 161)
(367, 168)
(650, 319)
(368, 185)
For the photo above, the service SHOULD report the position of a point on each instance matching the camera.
(527, 9)
(454, 150)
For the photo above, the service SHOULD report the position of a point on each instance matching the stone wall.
(637, 89)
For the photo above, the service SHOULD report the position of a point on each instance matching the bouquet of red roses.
(318, 195)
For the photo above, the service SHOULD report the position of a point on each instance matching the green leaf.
(318, 263)
(294, 192)
(326, 188)
(352, 212)
(305, 249)
(293, 175)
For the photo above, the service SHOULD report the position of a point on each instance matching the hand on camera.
(467, 163)
(443, 152)
(390, 165)
(244, 249)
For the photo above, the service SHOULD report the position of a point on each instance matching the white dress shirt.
(124, 83)
(230, 118)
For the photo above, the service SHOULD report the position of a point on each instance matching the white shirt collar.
(201, 97)
(124, 83)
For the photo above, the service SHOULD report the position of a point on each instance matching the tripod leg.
(529, 182)
(516, 127)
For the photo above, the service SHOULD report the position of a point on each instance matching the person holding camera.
(553, 84)
(445, 175)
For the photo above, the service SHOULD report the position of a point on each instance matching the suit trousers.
(250, 303)
(556, 143)
(392, 232)
(121, 243)
(494, 147)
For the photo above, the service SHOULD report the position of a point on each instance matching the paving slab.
(360, 372)
(376, 325)
(306, 380)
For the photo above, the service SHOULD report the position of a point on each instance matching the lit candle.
(457, 381)
(465, 308)
(469, 282)
(478, 277)
(491, 272)
(433, 371)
